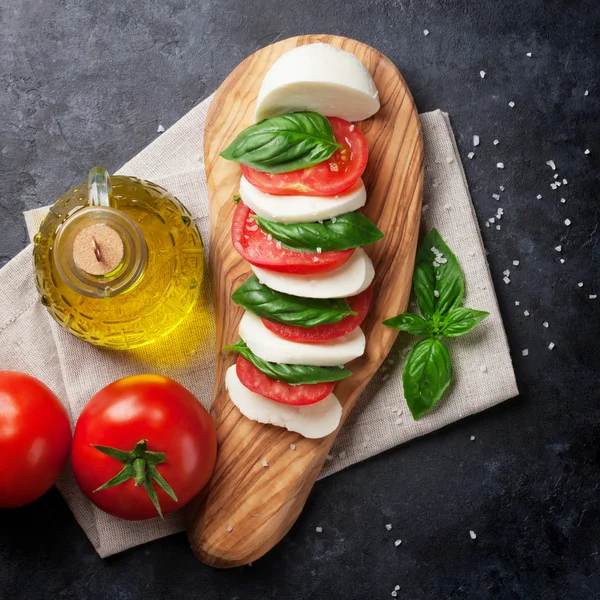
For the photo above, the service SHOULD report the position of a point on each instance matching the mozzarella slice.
(269, 346)
(301, 209)
(312, 421)
(320, 78)
(353, 277)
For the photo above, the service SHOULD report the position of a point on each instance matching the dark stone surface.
(85, 83)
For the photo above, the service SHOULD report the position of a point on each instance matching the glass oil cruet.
(118, 261)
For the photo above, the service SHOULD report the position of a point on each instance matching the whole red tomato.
(143, 446)
(35, 437)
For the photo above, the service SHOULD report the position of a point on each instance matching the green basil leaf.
(292, 310)
(460, 320)
(439, 286)
(284, 143)
(427, 374)
(341, 233)
(411, 323)
(293, 374)
(236, 198)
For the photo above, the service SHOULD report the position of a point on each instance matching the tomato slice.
(261, 250)
(323, 333)
(280, 391)
(333, 176)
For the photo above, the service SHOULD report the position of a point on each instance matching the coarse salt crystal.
(319, 250)
(539, 196)
(472, 438)
(425, 31)
(436, 293)
(483, 368)
(487, 224)
(501, 188)
(567, 222)
(580, 284)
(525, 352)
(394, 594)
(389, 526)
(471, 155)
(506, 280)
(507, 272)
(496, 142)
(492, 220)
(449, 159)
(397, 588)
(472, 534)
(329, 457)
(160, 129)
(526, 313)
(265, 463)
(557, 184)
(498, 227)
(516, 263)
(553, 186)
(511, 104)
(562, 200)
(562, 261)
(475, 140)
(229, 528)
(546, 324)
(558, 248)
(319, 529)
(565, 182)
(482, 74)
(292, 446)
(586, 93)
(500, 165)
(550, 345)
(315, 259)
(593, 296)
(517, 303)
(496, 196)
(397, 543)
(556, 175)
(529, 54)
(586, 151)
(551, 164)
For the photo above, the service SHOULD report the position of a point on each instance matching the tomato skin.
(156, 409)
(324, 333)
(35, 437)
(280, 391)
(333, 176)
(255, 246)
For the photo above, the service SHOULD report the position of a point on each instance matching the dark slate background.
(87, 82)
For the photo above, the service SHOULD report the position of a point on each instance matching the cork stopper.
(98, 250)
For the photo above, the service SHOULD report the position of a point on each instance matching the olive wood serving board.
(247, 508)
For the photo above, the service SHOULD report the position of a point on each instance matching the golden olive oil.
(153, 287)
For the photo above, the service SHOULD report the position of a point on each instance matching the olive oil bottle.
(118, 261)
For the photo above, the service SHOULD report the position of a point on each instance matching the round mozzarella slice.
(270, 347)
(353, 277)
(320, 78)
(301, 209)
(312, 421)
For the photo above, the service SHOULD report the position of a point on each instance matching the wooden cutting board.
(247, 508)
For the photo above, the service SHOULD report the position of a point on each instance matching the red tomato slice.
(323, 333)
(280, 391)
(338, 173)
(261, 250)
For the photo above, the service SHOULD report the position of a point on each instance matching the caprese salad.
(298, 223)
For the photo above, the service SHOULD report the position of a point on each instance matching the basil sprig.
(341, 233)
(294, 374)
(291, 310)
(439, 286)
(284, 143)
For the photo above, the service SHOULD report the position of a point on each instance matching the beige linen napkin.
(30, 341)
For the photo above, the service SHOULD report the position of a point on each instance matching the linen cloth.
(32, 342)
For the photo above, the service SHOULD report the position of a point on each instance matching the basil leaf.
(236, 198)
(427, 374)
(292, 310)
(341, 233)
(294, 374)
(431, 276)
(411, 323)
(460, 320)
(284, 143)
